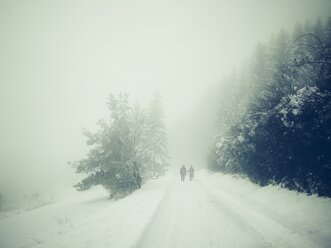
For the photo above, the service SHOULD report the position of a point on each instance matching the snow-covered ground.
(214, 210)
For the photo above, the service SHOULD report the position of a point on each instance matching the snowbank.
(84, 219)
(307, 216)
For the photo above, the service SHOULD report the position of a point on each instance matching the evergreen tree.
(283, 136)
(157, 137)
(120, 154)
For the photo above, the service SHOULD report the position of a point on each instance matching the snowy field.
(214, 210)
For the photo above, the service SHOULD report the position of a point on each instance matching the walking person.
(191, 172)
(182, 173)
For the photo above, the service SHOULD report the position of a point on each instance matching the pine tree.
(283, 136)
(157, 137)
(121, 153)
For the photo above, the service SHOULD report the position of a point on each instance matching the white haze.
(59, 60)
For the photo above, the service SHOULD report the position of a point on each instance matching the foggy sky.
(59, 60)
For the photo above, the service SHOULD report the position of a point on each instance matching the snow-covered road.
(192, 214)
(211, 211)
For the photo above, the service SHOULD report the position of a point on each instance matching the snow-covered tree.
(120, 154)
(283, 135)
(157, 137)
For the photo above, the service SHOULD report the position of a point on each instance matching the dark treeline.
(129, 147)
(275, 125)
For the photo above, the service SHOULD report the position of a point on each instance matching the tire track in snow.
(191, 216)
(260, 240)
(158, 211)
(273, 232)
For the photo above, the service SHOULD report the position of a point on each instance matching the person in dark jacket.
(182, 173)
